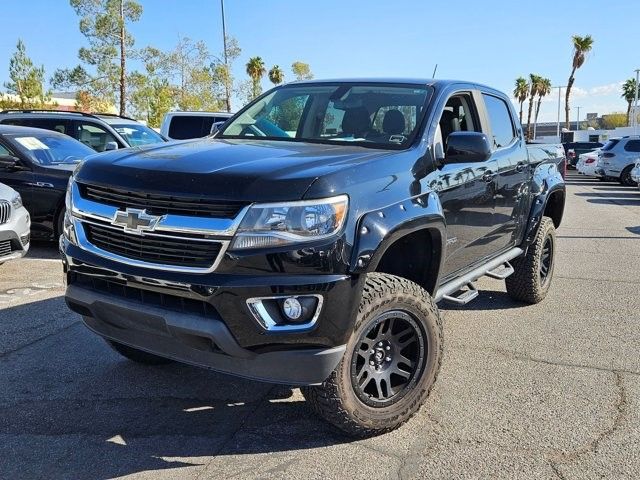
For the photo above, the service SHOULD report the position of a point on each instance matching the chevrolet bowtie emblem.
(135, 221)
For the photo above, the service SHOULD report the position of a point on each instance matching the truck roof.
(392, 80)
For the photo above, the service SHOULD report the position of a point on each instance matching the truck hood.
(241, 170)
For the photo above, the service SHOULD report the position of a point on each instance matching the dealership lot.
(550, 390)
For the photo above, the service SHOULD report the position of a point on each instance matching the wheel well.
(416, 257)
(555, 208)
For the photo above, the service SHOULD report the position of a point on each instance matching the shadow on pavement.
(616, 195)
(72, 408)
(616, 201)
(44, 250)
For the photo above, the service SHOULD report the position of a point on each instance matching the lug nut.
(372, 352)
(371, 362)
(379, 344)
(388, 359)
(388, 347)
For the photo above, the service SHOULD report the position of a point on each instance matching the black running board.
(498, 267)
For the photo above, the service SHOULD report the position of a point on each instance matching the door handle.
(488, 176)
(521, 166)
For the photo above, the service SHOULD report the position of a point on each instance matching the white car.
(15, 224)
(587, 163)
(635, 173)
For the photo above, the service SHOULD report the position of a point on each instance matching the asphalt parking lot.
(545, 391)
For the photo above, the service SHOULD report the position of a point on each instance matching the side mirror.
(467, 147)
(9, 162)
(216, 127)
(111, 146)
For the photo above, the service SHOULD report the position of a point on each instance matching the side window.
(459, 115)
(500, 119)
(57, 125)
(183, 127)
(4, 150)
(632, 146)
(94, 136)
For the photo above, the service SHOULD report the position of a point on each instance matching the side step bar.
(462, 297)
(499, 268)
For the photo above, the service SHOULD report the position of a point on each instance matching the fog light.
(292, 308)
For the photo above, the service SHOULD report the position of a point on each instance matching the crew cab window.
(500, 119)
(94, 136)
(632, 146)
(459, 115)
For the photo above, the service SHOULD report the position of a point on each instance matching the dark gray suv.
(100, 131)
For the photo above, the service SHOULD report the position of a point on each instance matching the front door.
(466, 190)
(20, 179)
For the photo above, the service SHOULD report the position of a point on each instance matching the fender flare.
(379, 229)
(551, 185)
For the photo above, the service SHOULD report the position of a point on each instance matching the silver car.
(617, 158)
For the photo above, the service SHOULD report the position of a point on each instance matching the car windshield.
(366, 114)
(50, 148)
(138, 134)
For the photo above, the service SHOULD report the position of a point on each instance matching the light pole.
(559, 87)
(226, 60)
(635, 108)
(578, 120)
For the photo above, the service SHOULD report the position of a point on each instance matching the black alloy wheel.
(388, 358)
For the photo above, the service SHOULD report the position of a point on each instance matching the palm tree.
(544, 89)
(276, 75)
(521, 92)
(256, 70)
(629, 89)
(534, 85)
(581, 46)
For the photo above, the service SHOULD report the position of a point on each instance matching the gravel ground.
(545, 391)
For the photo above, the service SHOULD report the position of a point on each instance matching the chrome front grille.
(145, 237)
(153, 248)
(5, 212)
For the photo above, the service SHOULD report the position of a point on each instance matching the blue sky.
(491, 41)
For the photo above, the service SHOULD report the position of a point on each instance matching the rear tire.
(533, 272)
(390, 364)
(138, 356)
(625, 177)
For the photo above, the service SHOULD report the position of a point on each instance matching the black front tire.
(531, 280)
(363, 398)
(138, 356)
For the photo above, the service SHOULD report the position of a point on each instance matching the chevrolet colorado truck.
(309, 241)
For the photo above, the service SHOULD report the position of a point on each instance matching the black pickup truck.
(309, 242)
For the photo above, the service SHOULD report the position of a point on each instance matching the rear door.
(511, 160)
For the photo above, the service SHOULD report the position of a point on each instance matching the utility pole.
(578, 120)
(226, 60)
(635, 108)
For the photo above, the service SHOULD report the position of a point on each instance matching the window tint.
(94, 136)
(4, 150)
(609, 145)
(500, 119)
(632, 146)
(55, 124)
(137, 134)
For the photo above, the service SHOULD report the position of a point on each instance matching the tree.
(301, 70)
(614, 120)
(521, 92)
(256, 70)
(223, 68)
(104, 24)
(581, 46)
(276, 75)
(629, 90)
(26, 80)
(544, 89)
(534, 86)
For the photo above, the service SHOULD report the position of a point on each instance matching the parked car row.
(615, 161)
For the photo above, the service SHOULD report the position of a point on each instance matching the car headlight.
(67, 198)
(16, 201)
(274, 225)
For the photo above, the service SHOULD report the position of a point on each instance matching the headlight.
(273, 225)
(16, 201)
(67, 199)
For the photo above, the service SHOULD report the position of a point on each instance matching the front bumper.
(204, 320)
(16, 232)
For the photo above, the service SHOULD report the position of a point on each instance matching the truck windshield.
(365, 114)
